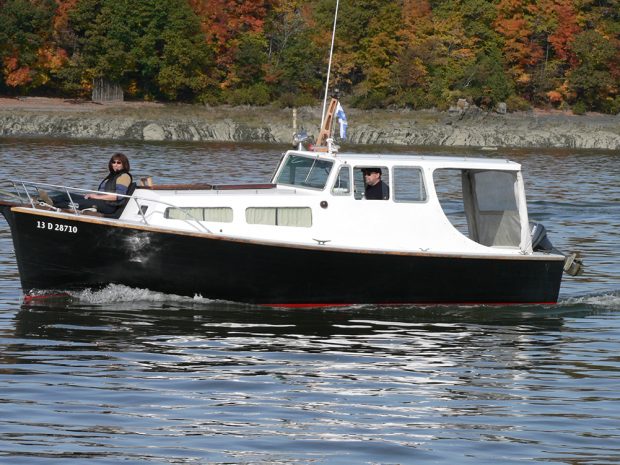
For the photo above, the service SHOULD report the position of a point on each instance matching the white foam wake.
(608, 301)
(121, 293)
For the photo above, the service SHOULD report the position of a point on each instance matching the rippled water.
(134, 377)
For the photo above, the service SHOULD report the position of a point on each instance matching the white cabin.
(317, 199)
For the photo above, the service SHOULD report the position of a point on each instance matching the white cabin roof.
(430, 161)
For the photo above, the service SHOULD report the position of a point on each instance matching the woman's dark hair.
(123, 158)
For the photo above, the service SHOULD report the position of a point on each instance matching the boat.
(307, 238)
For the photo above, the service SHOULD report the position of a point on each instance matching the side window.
(217, 214)
(300, 217)
(360, 184)
(409, 184)
(342, 186)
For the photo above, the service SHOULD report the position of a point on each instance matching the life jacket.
(109, 185)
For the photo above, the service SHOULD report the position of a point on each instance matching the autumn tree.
(437, 51)
(401, 53)
(411, 73)
(234, 30)
(26, 53)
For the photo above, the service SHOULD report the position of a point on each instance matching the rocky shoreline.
(37, 117)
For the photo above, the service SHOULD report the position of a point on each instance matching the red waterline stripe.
(29, 298)
(321, 305)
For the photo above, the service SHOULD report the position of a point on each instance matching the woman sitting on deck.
(116, 182)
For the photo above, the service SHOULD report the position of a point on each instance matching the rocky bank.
(158, 122)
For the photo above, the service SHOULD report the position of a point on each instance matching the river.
(136, 377)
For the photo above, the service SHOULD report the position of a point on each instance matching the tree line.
(388, 53)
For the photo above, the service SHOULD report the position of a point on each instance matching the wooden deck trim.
(220, 187)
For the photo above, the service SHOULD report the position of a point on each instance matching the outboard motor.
(573, 264)
(540, 241)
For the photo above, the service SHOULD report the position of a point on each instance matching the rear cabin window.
(305, 172)
(408, 184)
(300, 217)
(216, 214)
(358, 180)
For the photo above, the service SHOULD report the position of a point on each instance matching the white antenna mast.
(329, 66)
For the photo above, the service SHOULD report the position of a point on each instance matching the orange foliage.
(49, 58)
(52, 58)
(566, 31)
(417, 19)
(414, 10)
(524, 78)
(16, 75)
(554, 96)
(11, 63)
(224, 20)
(515, 21)
(62, 14)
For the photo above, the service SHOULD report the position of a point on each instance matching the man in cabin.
(375, 189)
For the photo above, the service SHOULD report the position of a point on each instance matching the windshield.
(305, 172)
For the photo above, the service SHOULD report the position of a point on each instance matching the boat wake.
(610, 301)
(113, 293)
(120, 293)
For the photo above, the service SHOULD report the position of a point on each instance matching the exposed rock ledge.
(157, 122)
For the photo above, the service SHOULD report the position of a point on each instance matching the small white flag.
(342, 121)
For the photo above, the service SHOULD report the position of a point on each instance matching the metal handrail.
(25, 185)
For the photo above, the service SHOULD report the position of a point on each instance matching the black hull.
(59, 253)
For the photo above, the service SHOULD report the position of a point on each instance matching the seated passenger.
(116, 182)
(375, 189)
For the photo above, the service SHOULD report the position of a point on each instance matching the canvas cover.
(496, 209)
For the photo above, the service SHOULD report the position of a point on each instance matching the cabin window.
(342, 185)
(216, 214)
(301, 171)
(408, 184)
(358, 180)
(280, 216)
(481, 204)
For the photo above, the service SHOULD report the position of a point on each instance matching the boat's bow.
(5, 209)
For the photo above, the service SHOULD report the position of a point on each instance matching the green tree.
(295, 60)
(592, 81)
(247, 76)
(154, 48)
(364, 44)
(487, 83)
